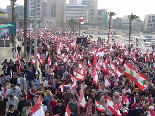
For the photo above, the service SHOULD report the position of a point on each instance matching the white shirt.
(125, 91)
(18, 80)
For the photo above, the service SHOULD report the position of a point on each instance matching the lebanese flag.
(68, 111)
(37, 110)
(131, 72)
(116, 70)
(74, 82)
(49, 61)
(142, 82)
(107, 82)
(99, 106)
(147, 57)
(40, 58)
(62, 87)
(65, 59)
(151, 111)
(82, 100)
(154, 54)
(81, 65)
(100, 52)
(125, 100)
(111, 106)
(33, 60)
(78, 75)
(95, 76)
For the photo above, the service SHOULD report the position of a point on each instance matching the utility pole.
(35, 31)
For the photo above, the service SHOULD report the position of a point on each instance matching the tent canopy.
(8, 25)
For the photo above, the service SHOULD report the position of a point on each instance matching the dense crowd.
(80, 77)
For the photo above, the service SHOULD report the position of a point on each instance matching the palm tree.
(131, 18)
(13, 19)
(111, 14)
(25, 27)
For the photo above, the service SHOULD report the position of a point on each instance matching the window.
(53, 10)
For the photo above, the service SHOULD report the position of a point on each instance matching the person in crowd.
(30, 95)
(73, 105)
(26, 110)
(48, 98)
(16, 91)
(18, 49)
(2, 107)
(12, 111)
(13, 100)
(59, 109)
(5, 94)
(21, 103)
(29, 77)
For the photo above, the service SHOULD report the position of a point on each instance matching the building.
(102, 18)
(149, 22)
(19, 11)
(31, 9)
(76, 11)
(123, 23)
(71, 2)
(92, 10)
(53, 13)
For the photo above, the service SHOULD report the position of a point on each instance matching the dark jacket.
(15, 113)
(29, 75)
(21, 104)
(60, 110)
(2, 109)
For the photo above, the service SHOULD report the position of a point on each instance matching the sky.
(120, 7)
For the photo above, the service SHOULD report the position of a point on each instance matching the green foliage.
(132, 17)
(1, 12)
(72, 22)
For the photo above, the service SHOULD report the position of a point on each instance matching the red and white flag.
(100, 52)
(82, 100)
(125, 100)
(151, 111)
(37, 110)
(33, 60)
(49, 61)
(62, 87)
(81, 20)
(68, 111)
(78, 75)
(116, 70)
(111, 106)
(107, 82)
(99, 106)
(147, 57)
(95, 76)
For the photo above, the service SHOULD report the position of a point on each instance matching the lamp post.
(35, 31)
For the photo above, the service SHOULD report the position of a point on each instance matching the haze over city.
(120, 7)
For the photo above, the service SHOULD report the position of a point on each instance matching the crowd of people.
(79, 77)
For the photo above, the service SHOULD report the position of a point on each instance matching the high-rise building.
(92, 10)
(53, 13)
(149, 22)
(76, 11)
(31, 8)
(102, 18)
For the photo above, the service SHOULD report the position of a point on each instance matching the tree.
(13, 19)
(131, 18)
(25, 27)
(72, 24)
(111, 14)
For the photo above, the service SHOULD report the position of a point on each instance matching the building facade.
(123, 23)
(76, 11)
(102, 18)
(149, 22)
(53, 13)
(92, 10)
(73, 2)
(19, 11)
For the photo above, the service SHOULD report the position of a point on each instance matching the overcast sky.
(120, 7)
